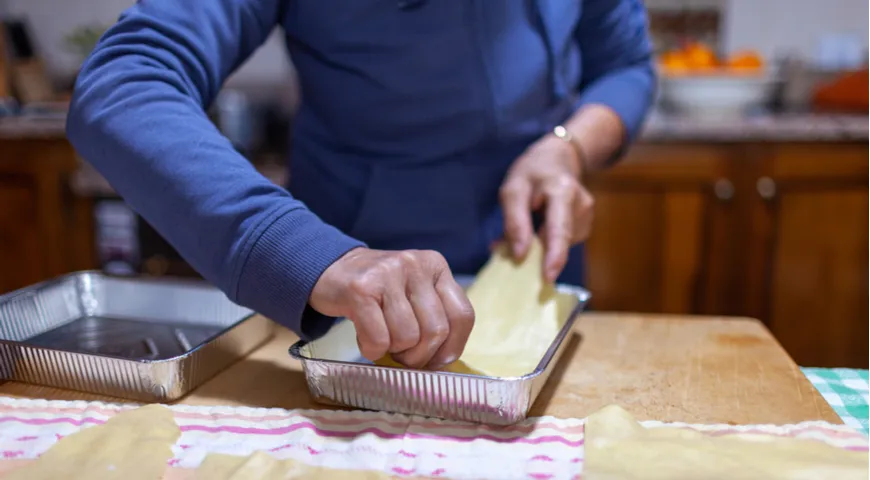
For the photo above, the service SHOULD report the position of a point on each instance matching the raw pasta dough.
(262, 466)
(132, 445)
(618, 447)
(517, 316)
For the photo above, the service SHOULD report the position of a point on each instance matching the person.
(427, 131)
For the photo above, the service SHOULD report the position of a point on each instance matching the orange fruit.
(701, 57)
(673, 63)
(745, 61)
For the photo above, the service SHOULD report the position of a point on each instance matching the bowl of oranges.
(695, 81)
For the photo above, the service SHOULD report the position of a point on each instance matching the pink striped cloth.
(539, 448)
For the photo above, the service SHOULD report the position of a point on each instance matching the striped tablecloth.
(541, 448)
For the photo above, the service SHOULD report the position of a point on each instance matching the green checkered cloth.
(847, 391)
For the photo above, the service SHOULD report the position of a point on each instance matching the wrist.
(573, 148)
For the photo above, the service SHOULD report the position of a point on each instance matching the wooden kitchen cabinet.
(653, 215)
(811, 215)
(772, 231)
(19, 233)
(45, 231)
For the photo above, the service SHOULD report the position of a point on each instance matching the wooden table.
(669, 368)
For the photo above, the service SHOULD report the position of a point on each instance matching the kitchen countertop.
(668, 368)
(659, 127)
(770, 128)
(52, 127)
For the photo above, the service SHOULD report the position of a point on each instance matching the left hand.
(547, 176)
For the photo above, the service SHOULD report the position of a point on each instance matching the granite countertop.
(660, 128)
(806, 127)
(41, 127)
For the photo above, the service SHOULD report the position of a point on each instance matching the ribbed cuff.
(284, 265)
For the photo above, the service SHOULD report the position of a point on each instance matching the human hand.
(406, 303)
(547, 176)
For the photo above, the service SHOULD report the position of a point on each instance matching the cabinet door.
(652, 218)
(20, 260)
(813, 207)
(45, 230)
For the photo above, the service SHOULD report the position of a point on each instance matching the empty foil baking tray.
(337, 374)
(151, 340)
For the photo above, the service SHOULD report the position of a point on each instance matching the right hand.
(402, 302)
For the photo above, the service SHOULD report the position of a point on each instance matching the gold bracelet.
(563, 134)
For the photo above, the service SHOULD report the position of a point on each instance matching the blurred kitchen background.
(747, 195)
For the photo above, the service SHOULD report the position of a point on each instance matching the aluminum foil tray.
(151, 340)
(337, 374)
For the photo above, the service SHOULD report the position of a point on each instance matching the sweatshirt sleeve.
(138, 115)
(617, 60)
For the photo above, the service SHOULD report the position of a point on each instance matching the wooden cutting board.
(668, 368)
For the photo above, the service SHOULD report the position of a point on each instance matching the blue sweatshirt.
(412, 111)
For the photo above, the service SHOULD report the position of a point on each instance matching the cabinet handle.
(766, 188)
(723, 189)
(156, 265)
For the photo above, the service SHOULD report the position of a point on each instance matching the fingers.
(399, 316)
(407, 304)
(584, 214)
(443, 312)
(460, 317)
(372, 334)
(421, 270)
(568, 221)
(516, 199)
(431, 323)
(558, 228)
